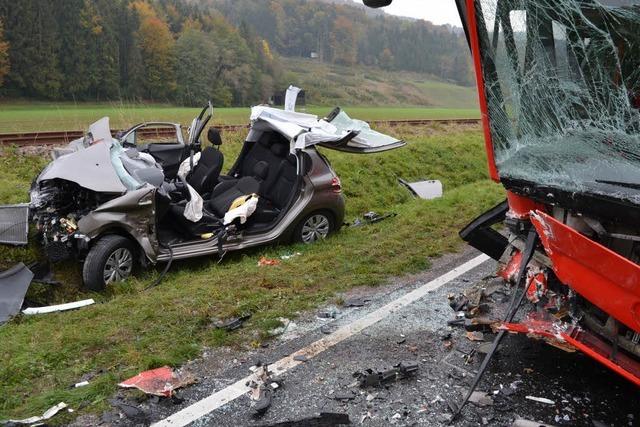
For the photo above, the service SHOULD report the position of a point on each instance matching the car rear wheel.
(110, 260)
(315, 226)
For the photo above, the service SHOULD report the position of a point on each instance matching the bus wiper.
(619, 183)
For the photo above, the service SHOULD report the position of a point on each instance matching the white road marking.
(239, 388)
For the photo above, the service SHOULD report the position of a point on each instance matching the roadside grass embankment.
(131, 329)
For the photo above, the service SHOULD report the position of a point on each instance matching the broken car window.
(562, 80)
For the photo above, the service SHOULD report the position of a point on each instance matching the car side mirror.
(213, 135)
(377, 3)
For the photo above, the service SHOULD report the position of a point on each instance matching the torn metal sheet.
(33, 420)
(159, 382)
(14, 224)
(59, 307)
(14, 284)
(427, 190)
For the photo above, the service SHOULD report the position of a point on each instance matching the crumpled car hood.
(90, 168)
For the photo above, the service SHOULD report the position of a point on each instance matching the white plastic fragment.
(541, 400)
(81, 384)
(59, 307)
(48, 414)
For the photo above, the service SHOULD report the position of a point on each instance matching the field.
(131, 329)
(39, 117)
(365, 93)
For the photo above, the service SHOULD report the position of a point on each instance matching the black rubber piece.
(93, 268)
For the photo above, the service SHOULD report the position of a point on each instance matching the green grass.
(130, 329)
(39, 117)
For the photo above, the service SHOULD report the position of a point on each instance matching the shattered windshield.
(562, 80)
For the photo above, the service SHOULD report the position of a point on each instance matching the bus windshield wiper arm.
(635, 186)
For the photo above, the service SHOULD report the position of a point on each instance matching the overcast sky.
(436, 11)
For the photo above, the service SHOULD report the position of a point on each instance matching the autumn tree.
(157, 51)
(4, 55)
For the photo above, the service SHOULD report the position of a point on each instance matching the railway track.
(64, 137)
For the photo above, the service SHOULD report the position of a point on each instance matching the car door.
(164, 141)
(360, 138)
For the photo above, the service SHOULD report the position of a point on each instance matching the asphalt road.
(583, 392)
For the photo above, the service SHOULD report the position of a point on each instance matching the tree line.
(185, 51)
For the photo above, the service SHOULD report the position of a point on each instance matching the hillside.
(329, 84)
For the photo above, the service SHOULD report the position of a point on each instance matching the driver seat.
(206, 173)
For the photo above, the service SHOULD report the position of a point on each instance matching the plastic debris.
(372, 218)
(158, 382)
(49, 413)
(232, 323)
(541, 400)
(264, 261)
(289, 256)
(481, 398)
(59, 307)
(427, 190)
(370, 378)
(14, 284)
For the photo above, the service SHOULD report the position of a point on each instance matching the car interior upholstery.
(266, 168)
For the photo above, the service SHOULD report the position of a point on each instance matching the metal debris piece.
(49, 413)
(14, 284)
(427, 190)
(232, 323)
(541, 400)
(369, 378)
(159, 382)
(372, 218)
(59, 307)
(481, 398)
(14, 224)
(356, 302)
(324, 419)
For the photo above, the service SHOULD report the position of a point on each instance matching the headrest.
(279, 150)
(261, 170)
(213, 135)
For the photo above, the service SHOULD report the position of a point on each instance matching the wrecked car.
(147, 196)
(559, 92)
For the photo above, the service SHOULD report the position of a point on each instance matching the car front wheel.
(110, 260)
(314, 227)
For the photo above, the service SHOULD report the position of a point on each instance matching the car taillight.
(336, 186)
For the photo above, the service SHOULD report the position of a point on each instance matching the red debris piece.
(264, 261)
(159, 382)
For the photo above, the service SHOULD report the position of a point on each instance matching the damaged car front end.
(92, 188)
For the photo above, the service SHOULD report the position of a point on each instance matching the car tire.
(111, 259)
(313, 227)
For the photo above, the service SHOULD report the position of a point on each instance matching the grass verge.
(130, 329)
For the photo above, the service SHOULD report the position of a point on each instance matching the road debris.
(287, 325)
(59, 307)
(475, 336)
(521, 422)
(324, 419)
(262, 387)
(427, 190)
(14, 284)
(159, 382)
(481, 398)
(264, 262)
(232, 323)
(49, 413)
(356, 302)
(372, 218)
(289, 256)
(344, 396)
(370, 378)
(541, 400)
(130, 411)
